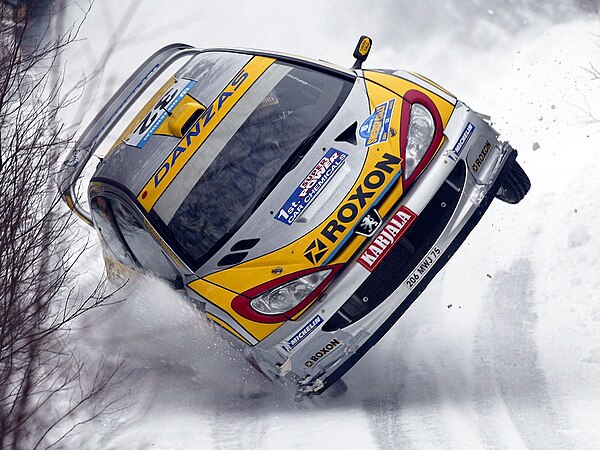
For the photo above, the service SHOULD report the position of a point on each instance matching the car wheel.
(515, 186)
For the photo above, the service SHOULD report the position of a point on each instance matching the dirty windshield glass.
(293, 106)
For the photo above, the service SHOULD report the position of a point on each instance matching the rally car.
(301, 205)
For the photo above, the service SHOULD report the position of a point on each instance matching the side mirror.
(362, 51)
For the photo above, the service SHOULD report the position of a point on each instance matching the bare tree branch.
(47, 390)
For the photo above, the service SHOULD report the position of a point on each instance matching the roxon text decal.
(481, 157)
(364, 195)
(330, 346)
(311, 186)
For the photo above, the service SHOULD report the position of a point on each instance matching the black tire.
(337, 389)
(515, 186)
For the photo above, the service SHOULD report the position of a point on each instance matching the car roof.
(315, 63)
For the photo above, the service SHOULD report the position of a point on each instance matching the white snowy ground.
(503, 348)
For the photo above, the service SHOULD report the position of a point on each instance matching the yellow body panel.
(433, 83)
(218, 321)
(400, 86)
(223, 298)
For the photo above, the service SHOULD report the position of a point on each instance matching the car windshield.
(274, 124)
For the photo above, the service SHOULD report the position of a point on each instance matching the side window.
(145, 249)
(103, 220)
(128, 240)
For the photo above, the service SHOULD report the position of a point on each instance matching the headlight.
(421, 129)
(285, 297)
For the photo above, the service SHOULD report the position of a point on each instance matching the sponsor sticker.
(462, 142)
(369, 223)
(423, 267)
(311, 186)
(304, 332)
(327, 348)
(159, 112)
(334, 234)
(376, 127)
(389, 236)
(481, 157)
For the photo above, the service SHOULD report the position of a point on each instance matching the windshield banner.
(311, 186)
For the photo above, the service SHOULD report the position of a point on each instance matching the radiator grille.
(405, 255)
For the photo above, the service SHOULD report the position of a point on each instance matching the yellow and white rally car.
(303, 206)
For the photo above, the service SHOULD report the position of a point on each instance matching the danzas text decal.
(190, 143)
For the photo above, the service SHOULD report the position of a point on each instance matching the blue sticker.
(304, 332)
(376, 128)
(462, 142)
(311, 186)
(157, 115)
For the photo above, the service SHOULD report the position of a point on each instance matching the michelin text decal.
(462, 142)
(376, 128)
(304, 332)
(311, 186)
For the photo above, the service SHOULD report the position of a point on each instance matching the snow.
(514, 363)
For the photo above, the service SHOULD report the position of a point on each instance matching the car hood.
(310, 218)
(359, 189)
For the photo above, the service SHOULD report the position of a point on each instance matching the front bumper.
(360, 306)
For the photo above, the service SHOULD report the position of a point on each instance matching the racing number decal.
(190, 143)
(159, 112)
(153, 114)
(145, 123)
(166, 99)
